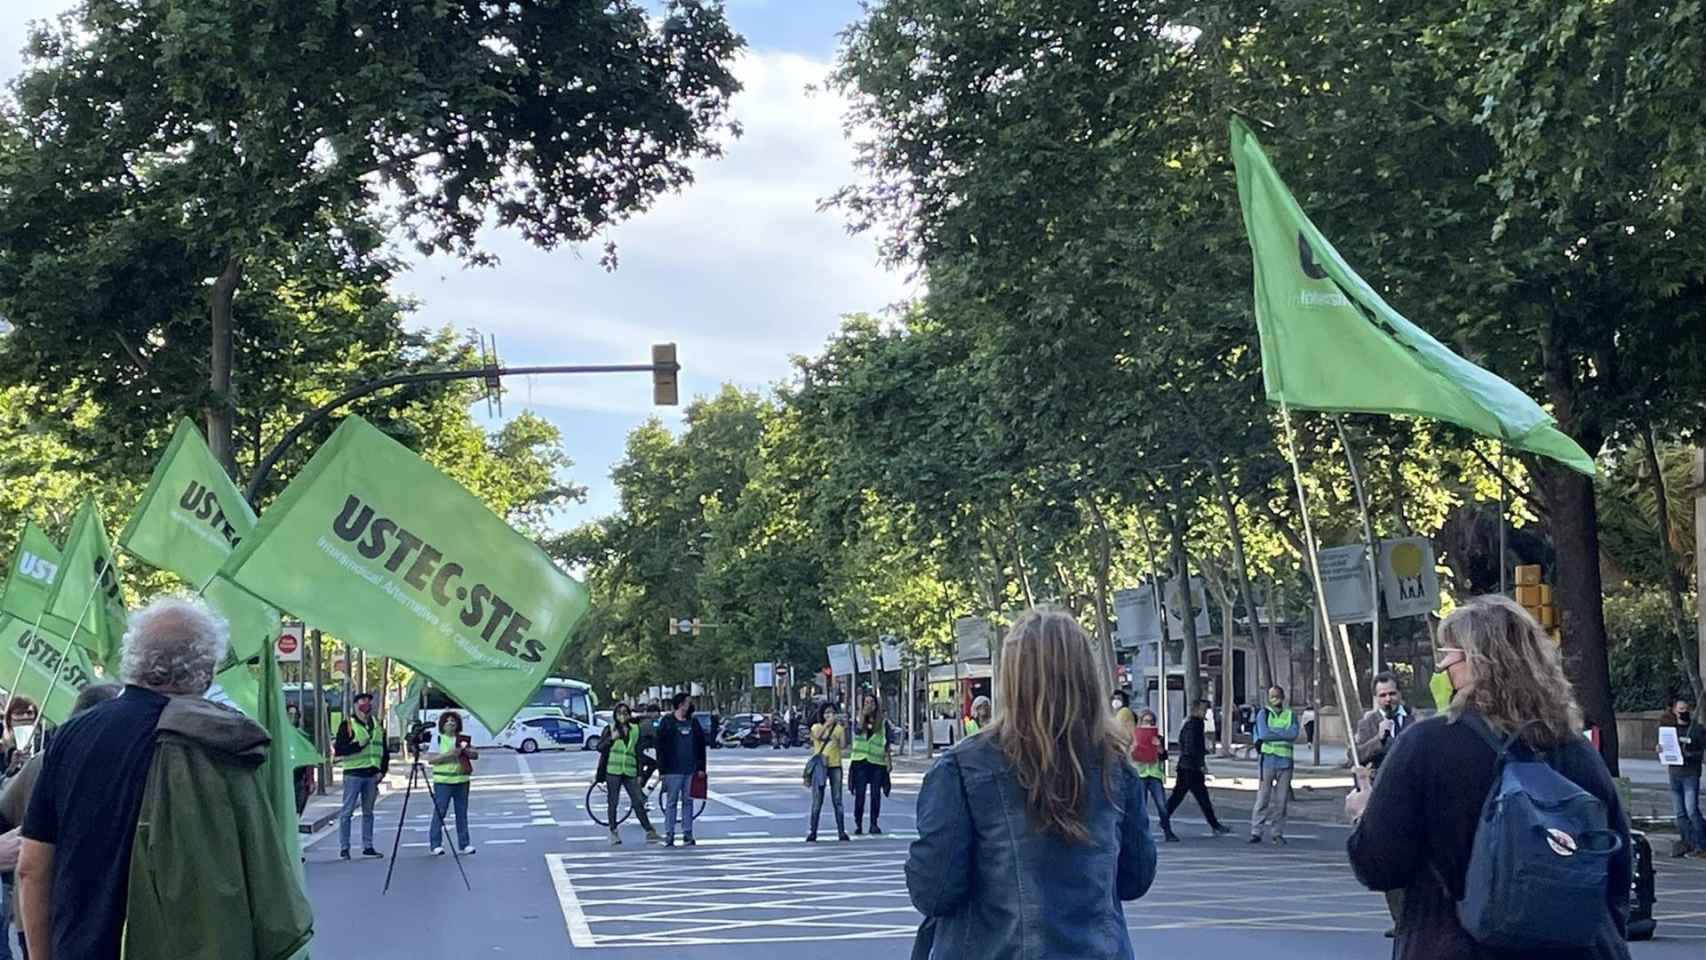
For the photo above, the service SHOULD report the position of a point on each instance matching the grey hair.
(173, 645)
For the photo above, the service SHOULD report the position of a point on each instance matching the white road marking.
(740, 805)
(536, 804)
(760, 833)
(580, 933)
(496, 843)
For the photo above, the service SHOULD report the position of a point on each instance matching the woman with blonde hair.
(1415, 832)
(1058, 837)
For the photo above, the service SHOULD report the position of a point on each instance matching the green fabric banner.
(40, 654)
(254, 625)
(35, 565)
(235, 685)
(191, 515)
(1329, 342)
(86, 593)
(372, 544)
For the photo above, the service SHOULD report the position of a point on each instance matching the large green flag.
(191, 516)
(1329, 342)
(235, 684)
(35, 565)
(254, 625)
(86, 593)
(34, 656)
(372, 544)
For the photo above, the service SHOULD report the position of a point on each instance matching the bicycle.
(598, 803)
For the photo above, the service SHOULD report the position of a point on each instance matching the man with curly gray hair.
(102, 793)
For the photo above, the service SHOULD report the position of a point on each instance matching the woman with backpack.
(1149, 752)
(1038, 865)
(1559, 887)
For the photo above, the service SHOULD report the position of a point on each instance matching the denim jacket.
(993, 886)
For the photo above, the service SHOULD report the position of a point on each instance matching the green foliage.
(1645, 670)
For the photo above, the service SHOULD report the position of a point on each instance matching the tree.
(158, 158)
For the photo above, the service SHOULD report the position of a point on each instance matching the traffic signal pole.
(664, 369)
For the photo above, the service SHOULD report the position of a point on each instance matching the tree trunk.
(1674, 581)
(1191, 657)
(1581, 606)
(220, 408)
(1104, 562)
(1264, 664)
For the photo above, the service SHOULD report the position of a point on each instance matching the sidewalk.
(322, 811)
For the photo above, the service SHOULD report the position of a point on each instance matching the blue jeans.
(7, 895)
(365, 791)
(1154, 793)
(444, 795)
(675, 795)
(1685, 800)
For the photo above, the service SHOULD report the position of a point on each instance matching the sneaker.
(372, 854)
(615, 840)
(1699, 855)
(652, 837)
(876, 831)
(1255, 838)
(811, 838)
(858, 831)
(1172, 837)
(688, 841)
(1279, 841)
(343, 854)
(1222, 831)
(669, 841)
(467, 851)
(438, 851)
(844, 838)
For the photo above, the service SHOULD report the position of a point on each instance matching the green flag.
(191, 516)
(35, 565)
(235, 685)
(254, 625)
(1329, 342)
(86, 593)
(371, 543)
(33, 656)
(404, 711)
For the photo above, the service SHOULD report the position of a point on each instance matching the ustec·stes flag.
(1329, 342)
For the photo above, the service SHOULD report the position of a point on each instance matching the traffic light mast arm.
(264, 468)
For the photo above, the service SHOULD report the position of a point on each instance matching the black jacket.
(1692, 739)
(673, 760)
(1420, 827)
(1193, 746)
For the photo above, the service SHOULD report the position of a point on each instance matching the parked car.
(533, 734)
(747, 729)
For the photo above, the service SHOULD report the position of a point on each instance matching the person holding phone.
(827, 735)
(452, 765)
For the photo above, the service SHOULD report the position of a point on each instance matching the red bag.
(698, 786)
(1146, 745)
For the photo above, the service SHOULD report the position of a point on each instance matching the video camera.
(420, 734)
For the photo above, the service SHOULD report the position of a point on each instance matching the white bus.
(556, 697)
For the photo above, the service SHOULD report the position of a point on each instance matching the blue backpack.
(1542, 852)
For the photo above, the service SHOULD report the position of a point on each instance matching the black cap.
(363, 695)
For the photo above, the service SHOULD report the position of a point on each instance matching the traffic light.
(664, 371)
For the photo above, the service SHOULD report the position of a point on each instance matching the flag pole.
(1367, 539)
(1504, 496)
(1320, 594)
(59, 668)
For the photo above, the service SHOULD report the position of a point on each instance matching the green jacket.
(210, 875)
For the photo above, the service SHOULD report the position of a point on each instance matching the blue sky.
(740, 270)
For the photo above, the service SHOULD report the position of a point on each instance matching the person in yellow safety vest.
(870, 768)
(361, 755)
(622, 760)
(452, 764)
(981, 711)
(1276, 732)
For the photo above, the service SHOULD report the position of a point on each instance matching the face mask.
(1275, 702)
(1440, 686)
(1684, 717)
(1115, 705)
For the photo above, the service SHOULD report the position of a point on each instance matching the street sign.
(840, 659)
(763, 675)
(973, 638)
(1344, 582)
(1408, 577)
(288, 647)
(1139, 622)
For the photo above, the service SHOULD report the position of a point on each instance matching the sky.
(740, 270)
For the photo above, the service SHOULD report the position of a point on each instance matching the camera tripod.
(414, 748)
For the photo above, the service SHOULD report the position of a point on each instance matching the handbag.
(699, 786)
(815, 772)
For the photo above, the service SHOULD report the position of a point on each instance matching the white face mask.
(1115, 704)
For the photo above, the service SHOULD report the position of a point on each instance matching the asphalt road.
(547, 884)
